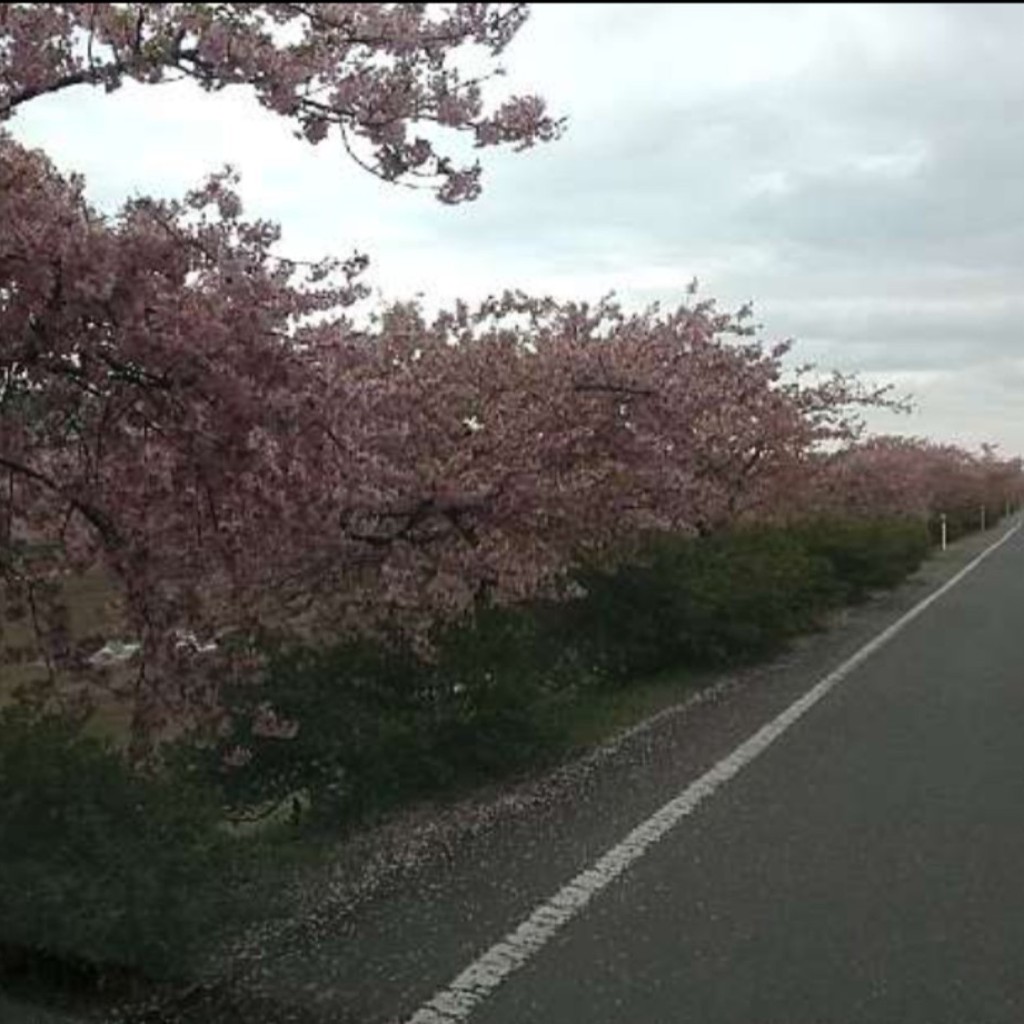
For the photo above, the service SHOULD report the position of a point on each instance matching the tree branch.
(98, 519)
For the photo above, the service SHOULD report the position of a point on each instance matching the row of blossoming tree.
(209, 422)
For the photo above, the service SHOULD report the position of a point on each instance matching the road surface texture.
(866, 868)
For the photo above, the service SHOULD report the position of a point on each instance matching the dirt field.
(91, 600)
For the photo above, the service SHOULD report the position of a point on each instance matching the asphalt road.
(868, 867)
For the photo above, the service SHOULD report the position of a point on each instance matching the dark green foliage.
(378, 724)
(866, 555)
(99, 866)
(698, 602)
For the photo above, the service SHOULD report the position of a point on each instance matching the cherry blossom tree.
(906, 476)
(509, 439)
(209, 423)
(385, 78)
(152, 365)
(206, 421)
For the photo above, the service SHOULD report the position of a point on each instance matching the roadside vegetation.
(275, 563)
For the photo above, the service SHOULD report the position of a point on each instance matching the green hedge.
(698, 602)
(379, 725)
(734, 596)
(99, 867)
(865, 555)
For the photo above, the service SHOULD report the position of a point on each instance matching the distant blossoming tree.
(905, 476)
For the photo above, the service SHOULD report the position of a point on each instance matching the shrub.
(698, 602)
(866, 555)
(378, 724)
(99, 866)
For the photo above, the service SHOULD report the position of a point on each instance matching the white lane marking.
(470, 988)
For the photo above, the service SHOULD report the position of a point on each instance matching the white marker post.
(942, 520)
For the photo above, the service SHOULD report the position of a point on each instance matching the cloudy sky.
(857, 171)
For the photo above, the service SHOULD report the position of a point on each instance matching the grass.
(606, 713)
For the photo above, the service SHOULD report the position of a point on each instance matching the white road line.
(470, 988)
